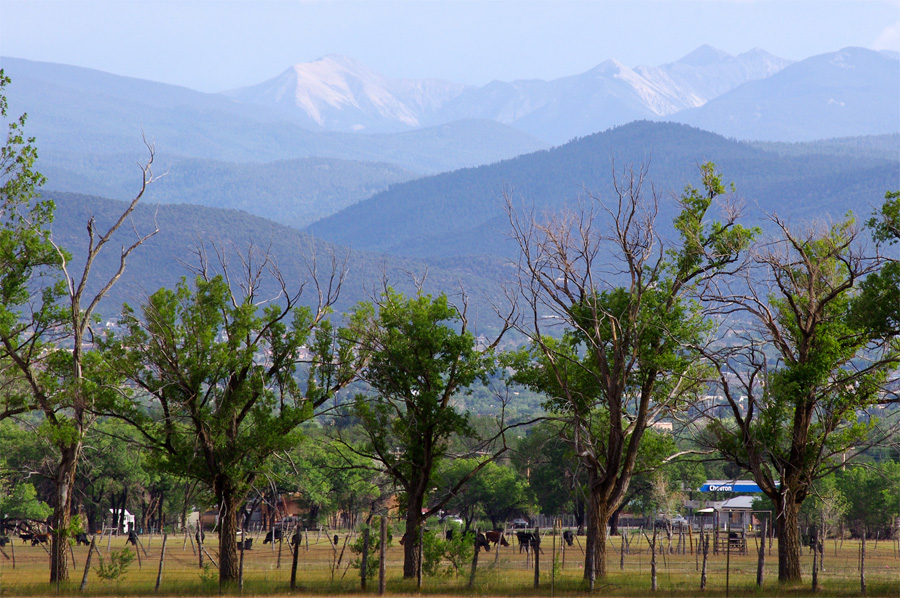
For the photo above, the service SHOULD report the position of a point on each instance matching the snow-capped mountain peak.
(338, 93)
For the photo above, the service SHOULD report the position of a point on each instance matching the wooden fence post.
(815, 569)
(137, 550)
(474, 561)
(862, 563)
(760, 566)
(704, 541)
(365, 560)
(727, 554)
(296, 545)
(382, 581)
(421, 555)
(162, 556)
(87, 564)
(553, 561)
(241, 561)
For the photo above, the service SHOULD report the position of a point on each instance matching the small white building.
(127, 521)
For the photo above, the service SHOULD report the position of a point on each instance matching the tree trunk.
(313, 516)
(411, 538)
(787, 522)
(614, 520)
(229, 564)
(595, 556)
(62, 511)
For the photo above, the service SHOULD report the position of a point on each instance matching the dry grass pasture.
(324, 570)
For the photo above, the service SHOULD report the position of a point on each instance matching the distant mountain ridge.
(73, 110)
(851, 92)
(338, 93)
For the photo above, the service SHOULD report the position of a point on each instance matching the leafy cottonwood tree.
(220, 368)
(26, 252)
(45, 306)
(623, 296)
(872, 494)
(418, 353)
(497, 492)
(877, 304)
(807, 367)
(554, 473)
(329, 479)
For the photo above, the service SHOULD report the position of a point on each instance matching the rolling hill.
(293, 192)
(164, 258)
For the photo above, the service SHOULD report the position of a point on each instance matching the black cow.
(569, 537)
(245, 544)
(4, 540)
(276, 534)
(529, 541)
(449, 534)
(481, 541)
(26, 537)
(81, 539)
(132, 538)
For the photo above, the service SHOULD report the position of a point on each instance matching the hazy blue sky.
(212, 45)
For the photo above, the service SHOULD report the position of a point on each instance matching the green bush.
(115, 568)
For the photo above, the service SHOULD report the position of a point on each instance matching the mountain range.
(338, 93)
(426, 194)
(76, 112)
(753, 95)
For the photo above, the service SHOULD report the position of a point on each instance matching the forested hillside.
(293, 192)
(163, 259)
(461, 213)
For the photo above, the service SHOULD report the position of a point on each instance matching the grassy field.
(323, 571)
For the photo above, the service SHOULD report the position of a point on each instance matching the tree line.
(215, 386)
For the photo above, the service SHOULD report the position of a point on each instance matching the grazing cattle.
(132, 538)
(569, 537)
(449, 534)
(529, 541)
(245, 545)
(26, 537)
(482, 542)
(272, 535)
(4, 540)
(335, 540)
(81, 539)
(495, 536)
(40, 539)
